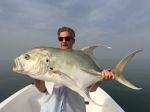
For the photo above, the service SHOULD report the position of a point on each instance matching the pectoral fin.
(91, 72)
(49, 86)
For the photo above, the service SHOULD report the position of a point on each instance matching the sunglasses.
(64, 38)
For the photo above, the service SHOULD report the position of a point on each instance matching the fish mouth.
(18, 66)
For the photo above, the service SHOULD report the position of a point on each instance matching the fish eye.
(47, 60)
(27, 57)
(51, 68)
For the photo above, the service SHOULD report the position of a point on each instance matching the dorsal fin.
(89, 49)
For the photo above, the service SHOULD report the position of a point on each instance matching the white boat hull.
(26, 100)
(22, 101)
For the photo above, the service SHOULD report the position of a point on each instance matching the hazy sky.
(122, 24)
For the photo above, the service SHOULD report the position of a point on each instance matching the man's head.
(66, 37)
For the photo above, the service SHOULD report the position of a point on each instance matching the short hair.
(69, 30)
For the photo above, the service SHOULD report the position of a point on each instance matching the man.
(62, 99)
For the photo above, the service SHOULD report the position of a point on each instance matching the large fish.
(75, 69)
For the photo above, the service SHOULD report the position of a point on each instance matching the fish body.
(75, 69)
(73, 63)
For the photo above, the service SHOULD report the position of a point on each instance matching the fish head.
(33, 63)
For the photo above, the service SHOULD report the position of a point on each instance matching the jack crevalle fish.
(75, 69)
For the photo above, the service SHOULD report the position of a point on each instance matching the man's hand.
(40, 85)
(105, 75)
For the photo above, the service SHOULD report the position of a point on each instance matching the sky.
(122, 24)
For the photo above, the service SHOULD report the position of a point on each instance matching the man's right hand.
(40, 85)
(107, 75)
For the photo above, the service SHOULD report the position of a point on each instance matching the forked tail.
(118, 71)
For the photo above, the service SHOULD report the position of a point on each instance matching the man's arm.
(40, 85)
(105, 75)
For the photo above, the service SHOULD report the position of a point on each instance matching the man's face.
(66, 41)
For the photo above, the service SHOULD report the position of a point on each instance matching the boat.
(27, 100)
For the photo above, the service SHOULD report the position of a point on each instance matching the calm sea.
(137, 71)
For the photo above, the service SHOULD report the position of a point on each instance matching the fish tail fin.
(118, 71)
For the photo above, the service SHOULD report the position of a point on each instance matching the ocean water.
(137, 72)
